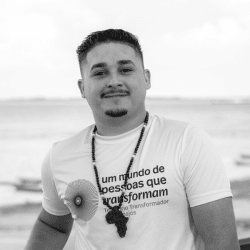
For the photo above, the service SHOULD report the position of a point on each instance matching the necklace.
(115, 215)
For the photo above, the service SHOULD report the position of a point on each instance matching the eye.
(126, 70)
(99, 73)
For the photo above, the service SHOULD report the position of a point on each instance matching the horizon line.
(170, 98)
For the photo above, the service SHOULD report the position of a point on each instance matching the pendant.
(115, 216)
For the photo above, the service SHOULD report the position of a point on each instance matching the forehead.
(111, 53)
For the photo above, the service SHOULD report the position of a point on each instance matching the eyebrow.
(102, 65)
(122, 62)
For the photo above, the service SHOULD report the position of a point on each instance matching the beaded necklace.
(115, 215)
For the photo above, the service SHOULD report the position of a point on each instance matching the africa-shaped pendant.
(115, 216)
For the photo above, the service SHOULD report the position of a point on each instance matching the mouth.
(114, 95)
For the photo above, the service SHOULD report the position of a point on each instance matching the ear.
(147, 76)
(81, 87)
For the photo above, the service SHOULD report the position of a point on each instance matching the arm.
(215, 223)
(50, 232)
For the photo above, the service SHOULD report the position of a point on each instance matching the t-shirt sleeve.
(204, 174)
(51, 201)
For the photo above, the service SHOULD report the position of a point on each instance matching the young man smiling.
(178, 197)
(114, 82)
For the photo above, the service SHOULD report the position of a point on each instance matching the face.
(113, 80)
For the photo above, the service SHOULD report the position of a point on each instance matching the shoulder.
(170, 126)
(72, 143)
(196, 134)
(185, 132)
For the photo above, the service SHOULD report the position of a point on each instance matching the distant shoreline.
(177, 100)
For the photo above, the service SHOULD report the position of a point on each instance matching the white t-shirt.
(176, 167)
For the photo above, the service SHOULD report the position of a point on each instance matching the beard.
(116, 112)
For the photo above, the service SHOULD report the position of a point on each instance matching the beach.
(29, 128)
(17, 220)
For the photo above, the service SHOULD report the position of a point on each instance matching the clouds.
(27, 40)
(191, 47)
(225, 34)
(214, 42)
(33, 31)
(211, 59)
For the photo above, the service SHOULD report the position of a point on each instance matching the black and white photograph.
(124, 124)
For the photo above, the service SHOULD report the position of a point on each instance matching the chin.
(116, 112)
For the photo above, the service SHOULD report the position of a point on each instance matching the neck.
(110, 126)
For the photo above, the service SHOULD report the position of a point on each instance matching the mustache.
(115, 92)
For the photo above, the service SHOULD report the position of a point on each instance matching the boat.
(29, 185)
(244, 243)
(243, 160)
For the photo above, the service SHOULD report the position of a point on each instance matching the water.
(28, 129)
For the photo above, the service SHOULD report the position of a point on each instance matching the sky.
(193, 48)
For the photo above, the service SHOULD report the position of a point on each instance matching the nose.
(114, 81)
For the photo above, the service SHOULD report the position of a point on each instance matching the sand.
(16, 222)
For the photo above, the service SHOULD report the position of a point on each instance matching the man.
(132, 180)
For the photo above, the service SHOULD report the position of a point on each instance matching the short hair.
(106, 36)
